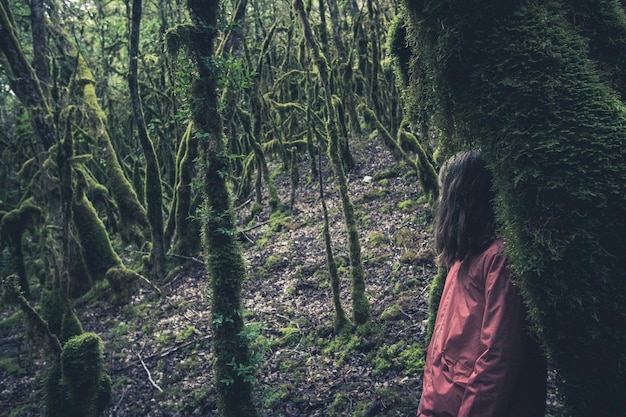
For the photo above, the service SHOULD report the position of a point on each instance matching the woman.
(480, 361)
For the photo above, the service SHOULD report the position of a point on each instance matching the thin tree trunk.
(40, 45)
(24, 81)
(234, 372)
(333, 7)
(340, 320)
(360, 305)
(153, 188)
(186, 230)
(373, 77)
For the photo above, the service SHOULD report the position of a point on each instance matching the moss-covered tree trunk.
(426, 173)
(24, 81)
(28, 89)
(134, 220)
(153, 188)
(523, 82)
(375, 62)
(360, 304)
(256, 133)
(340, 320)
(185, 229)
(234, 372)
(12, 227)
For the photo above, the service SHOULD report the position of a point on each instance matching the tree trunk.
(519, 80)
(153, 188)
(234, 372)
(25, 84)
(186, 230)
(360, 305)
(340, 320)
(134, 220)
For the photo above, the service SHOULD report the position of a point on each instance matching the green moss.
(12, 320)
(10, 366)
(133, 217)
(406, 205)
(186, 333)
(408, 359)
(405, 237)
(377, 239)
(122, 281)
(165, 338)
(52, 307)
(95, 246)
(408, 257)
(289, 336)
(340, 406)
(424, 165)
(435, 292)
(412, 359)
(343, 347)
(186, 226)
(279, 220)
(275, 395)
(398, 47)
(375, 193)
(56, 401)
(393, 312)
(12, 227)
(255, 209)
(83, 376)
(528, 83)
(70, 326)
(378, 260)
(272, 260)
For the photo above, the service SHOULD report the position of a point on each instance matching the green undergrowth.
(405, 358)
(11, 366)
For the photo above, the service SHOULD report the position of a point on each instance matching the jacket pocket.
(456, 370)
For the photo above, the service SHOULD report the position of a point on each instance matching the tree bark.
(234, 371)
(133, 215)
(521, 80)
(360, 304)
(153, 188)
(24, 81)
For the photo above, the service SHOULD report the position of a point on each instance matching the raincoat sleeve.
(490, 385)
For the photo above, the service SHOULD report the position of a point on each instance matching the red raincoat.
(480, 361)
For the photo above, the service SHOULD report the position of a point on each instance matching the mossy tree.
(88, 387)
(23, 81)
(528, 82)
(100, 258)
(134, 220)
(360, 305)
(234, 372)
(340, 319)
(153, 189)
(76, 384)
(183, 224)
(13, 225)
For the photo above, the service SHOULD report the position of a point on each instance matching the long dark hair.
(464, 221)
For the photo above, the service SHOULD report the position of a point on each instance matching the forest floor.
(158, 349)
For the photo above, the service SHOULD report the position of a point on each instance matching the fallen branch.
(159, 355)
(154, 384)
(189, 258)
